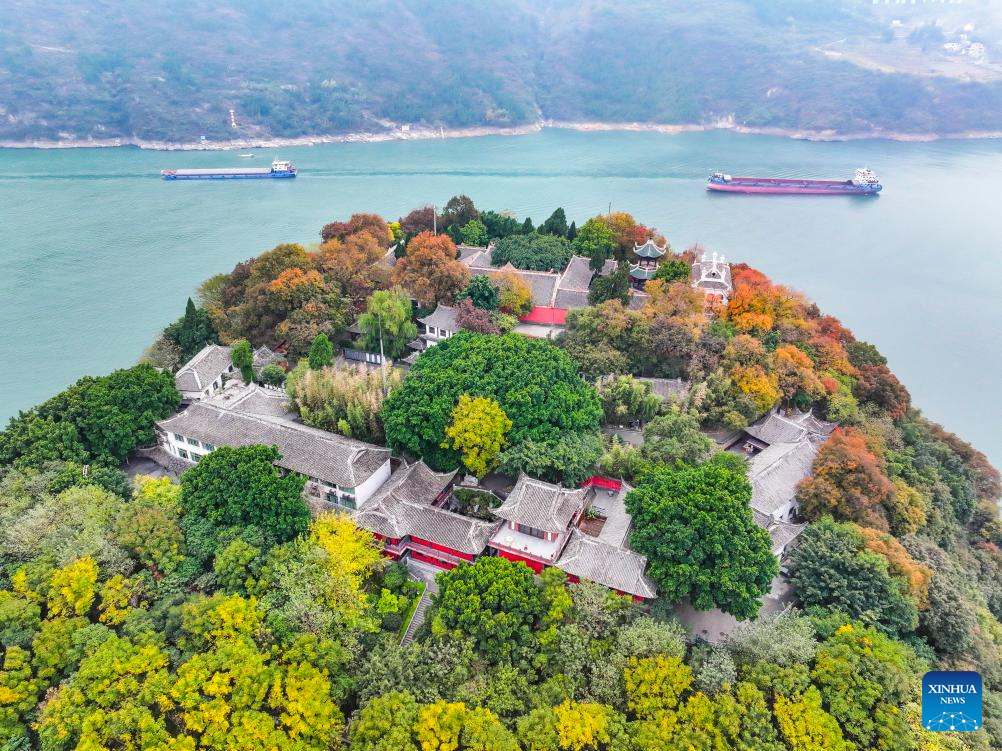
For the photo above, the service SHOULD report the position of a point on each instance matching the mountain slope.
(172, 70)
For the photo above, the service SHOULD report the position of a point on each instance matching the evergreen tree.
(572, 232)
(555, 225)
(527, 227)
(192, 331)
(243, 358)
(321, 352)
(615, 286)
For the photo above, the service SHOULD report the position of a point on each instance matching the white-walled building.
(712, 276)
(340, 470)
(204, 374)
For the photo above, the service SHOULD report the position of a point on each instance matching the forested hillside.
(173, 70)
(216, 612)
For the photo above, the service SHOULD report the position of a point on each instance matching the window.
(182, 453)
(208, 446)
(195, 457)
(432, 330)
(344, 502)
(348, 491)
(179, 438)
(531, 531)
(193, 441)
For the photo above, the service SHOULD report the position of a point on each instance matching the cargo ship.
(278, 169)
(863, 182)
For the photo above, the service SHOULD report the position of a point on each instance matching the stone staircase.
(420, 572)
(418, 618)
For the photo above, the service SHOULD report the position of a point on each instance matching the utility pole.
(434, 220)
(382, 357)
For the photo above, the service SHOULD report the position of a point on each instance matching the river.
(98, 254)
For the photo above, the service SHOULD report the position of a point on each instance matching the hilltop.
(172, 72)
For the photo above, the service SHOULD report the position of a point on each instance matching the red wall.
(534, 565)
(441, 548)
(433, 561)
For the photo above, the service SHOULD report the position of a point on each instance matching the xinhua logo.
(951, 700)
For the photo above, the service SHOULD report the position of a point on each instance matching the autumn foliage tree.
(514, 295)
(847, 481)
(878, 385)
(430, 271)
(477, 431)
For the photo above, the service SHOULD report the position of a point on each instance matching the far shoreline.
(429, 133)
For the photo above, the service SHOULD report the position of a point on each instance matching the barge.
(863, 182)
(278, 169)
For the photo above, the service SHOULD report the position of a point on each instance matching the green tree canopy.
(474, 233)
(830, 567)
(481, 292)
(242, 356)
(95, 420)
(569, 459)
(532, 252)
(675, 437)
(389, 312)
(614, 286)
(321, 352)
(672, 270)
(556, 224)
(595, 240)
(535, 383)
(240, 486)
(494, 601)
(695, 526)
(192, 331)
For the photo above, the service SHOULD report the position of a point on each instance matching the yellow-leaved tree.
(477, 431)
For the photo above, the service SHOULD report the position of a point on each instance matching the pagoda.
(650, 256)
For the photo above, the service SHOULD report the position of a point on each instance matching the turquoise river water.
(98, 254)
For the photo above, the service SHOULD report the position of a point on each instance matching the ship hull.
(791, 187)
(233, 176)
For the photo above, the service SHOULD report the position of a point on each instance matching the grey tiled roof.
(309, 451)
(577, 275)
(778, 428)
(204, 368)
(667, 387)
(782, 534)
(612, 566)
(642, 272)
(775, 471)
(649, 249)
(253, 400)
(617, 519)
(711, 273)
(540, 505)
(443, 317)
(570, 299)
(475, 258)
(402, 507)
(572, 287)
(543, 284)
(263, 357)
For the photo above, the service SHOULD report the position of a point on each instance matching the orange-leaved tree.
(848, 481)
(430, 271)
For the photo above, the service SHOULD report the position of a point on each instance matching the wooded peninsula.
(462, 481)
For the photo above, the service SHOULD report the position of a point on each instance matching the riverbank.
(410, 133)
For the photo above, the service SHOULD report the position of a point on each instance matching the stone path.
(426, 573)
